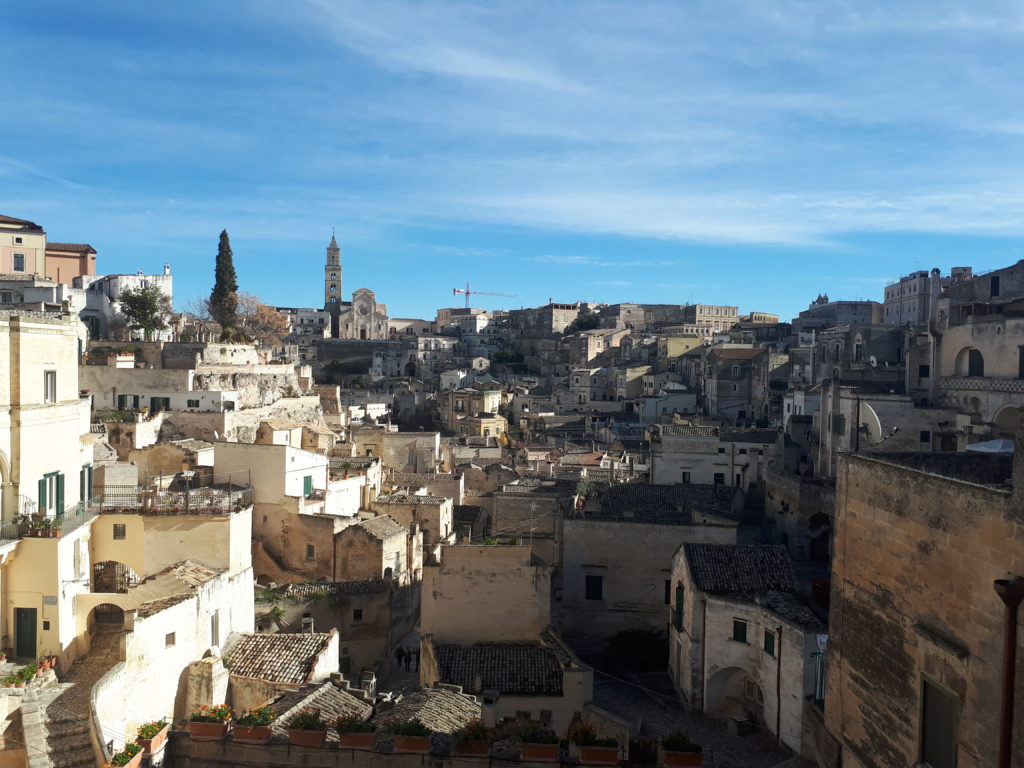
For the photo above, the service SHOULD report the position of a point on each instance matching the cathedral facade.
(361, 318)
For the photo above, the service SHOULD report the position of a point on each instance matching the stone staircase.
(67, 719)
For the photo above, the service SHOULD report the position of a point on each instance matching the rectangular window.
(1020, 362)
(686, 476)
(769, 643)
(739, 631)
(926, 436)
(357, 614)
(18, 262)
(924, 371)
(49, 386)
(939, 714)
(6, 297)
(739, 480)
(595, 587)
(310, 552)
(307, 485)
(994, 284)
(169, 640)
(18, 240)
(719, 478)
(192, 404)
(119, 531)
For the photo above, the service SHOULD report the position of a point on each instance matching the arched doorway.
(107, 617)
(362, 334)
(1007, 420)
(732, 693)
(970, 362)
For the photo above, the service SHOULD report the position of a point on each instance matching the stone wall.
(912, 599)
(239, 426)
(800, 511)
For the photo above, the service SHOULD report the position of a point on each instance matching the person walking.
(408, 660)
(416, 655)
(399, 656)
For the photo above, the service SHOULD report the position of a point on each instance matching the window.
(926, 436)
(719, 478)
(739, 480)
(357, 614)
(994, 285)
(169, 640)
(595, 587)
(193, 404)
(307, 485)
(721, 450)
(18, 262)
(668, 591)
(924, 371)
(752, 691)
(742, 451)
(310, 552)
(769, 643)
(49, 386)
(18, 240)
(939, 714)
(119, 531)
(6, 297)
(739, 630)
(51, 493)
(1020, 362)
(215, 628)
(686, 476)
(975, 363)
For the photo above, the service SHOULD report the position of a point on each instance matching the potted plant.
(209, 723)
(254, 726)
(43, 663)
(679, 750)
(11, 680)
(356, 733)
(55, 525)
(410, 736)
(29, 672)
(537, 742)
(307, 729)
(151, 736)
(474, 738)
(129, 757)
(593, 750)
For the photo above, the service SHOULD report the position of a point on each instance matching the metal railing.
(173, 498)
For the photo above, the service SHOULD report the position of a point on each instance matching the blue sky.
(753, 153)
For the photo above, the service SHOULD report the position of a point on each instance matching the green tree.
(146, 308)
(224, 297)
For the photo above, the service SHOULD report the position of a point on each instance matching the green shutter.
(59, 507)
(42, 494)
(307, 485)
(88, 485)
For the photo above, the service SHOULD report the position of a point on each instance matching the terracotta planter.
(682, 758)
(150, 746)
(301, 738)
(135, 762)
(409, 745)
(251, 734)
(542, 752)
(21, 684)
(473, 748)
(207, 731)
(599, 755)
(357, 740)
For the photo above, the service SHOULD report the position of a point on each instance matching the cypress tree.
(224, 297)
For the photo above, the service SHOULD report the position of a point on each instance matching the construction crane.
(468, 292)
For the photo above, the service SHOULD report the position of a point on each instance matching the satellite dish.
(873, 360)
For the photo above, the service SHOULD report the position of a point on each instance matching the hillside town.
(588, 533)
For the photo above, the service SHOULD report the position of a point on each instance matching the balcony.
(981, 384)
(174, 496)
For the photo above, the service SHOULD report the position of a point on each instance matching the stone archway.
(112, 576)
(1006, 421)
(731, 692)
(107, 617)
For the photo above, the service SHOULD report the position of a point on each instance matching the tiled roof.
(754, 569)
(192, 445)
(661, 504)
(749, 436)
(280, 658)
(331, 700)
(409, 498)
(467, 513)
(12, 220)
(590, 459)
(440, 709)
(381, 527)
(320, 588)
(511, 670)
(688, 430)
(277, 424)
(153, 607)
(76, 247)
(734, 353)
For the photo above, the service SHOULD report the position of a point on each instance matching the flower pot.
(354, 740)
(547, 753)
(408, 745)
(201, 731)
(599, 755)
(150, 746)
(303, 738)
(682, 758)
(473, 748)
(251, 734)
(20, 684)
(135, 762)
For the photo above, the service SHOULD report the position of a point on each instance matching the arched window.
(975, 363)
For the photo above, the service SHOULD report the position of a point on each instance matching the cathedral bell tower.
(332, 283)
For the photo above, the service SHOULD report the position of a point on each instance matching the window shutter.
(59, 506)
(42, 494)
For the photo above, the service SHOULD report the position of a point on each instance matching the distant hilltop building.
(363, 317)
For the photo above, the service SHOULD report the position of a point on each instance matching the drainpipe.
(778, 687)
(1011, 592)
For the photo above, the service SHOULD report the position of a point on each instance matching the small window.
(742, 451)
(6, 297)
(18, 240)
(357, 614)
(924, 371)
(170, 639)
(719, 478)
(193, 404)
(994, 283)
(49, 386)
(769, 643)
(595, 587)
(668, 591)
(721, 450)
(686, 476)
(926, 436)
(119, 531)
(310, 552)
(739, 631)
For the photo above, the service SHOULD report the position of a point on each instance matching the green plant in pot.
(474, 738)
(680, 751)
(409, 736)
(308, 728)
(356, 733)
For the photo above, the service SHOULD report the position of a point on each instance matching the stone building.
(22, 247)
(362, 318)
(433, 514)
(66, 261)
(734, 385)
(709, 455)
(915, 659)
(742, 645)
(716, 317)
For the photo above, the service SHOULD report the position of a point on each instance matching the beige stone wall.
(357, 555)
(912, 596)
(485, 593)
(435, 520)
